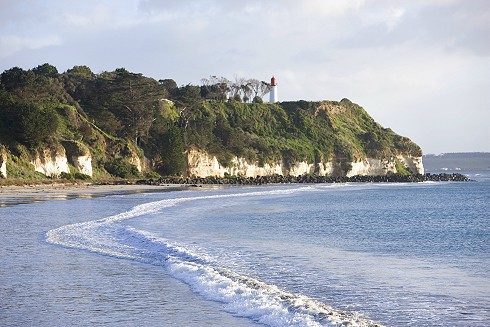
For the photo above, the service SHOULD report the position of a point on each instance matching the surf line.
(242, 295)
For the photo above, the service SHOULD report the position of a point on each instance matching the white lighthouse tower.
(273, 93)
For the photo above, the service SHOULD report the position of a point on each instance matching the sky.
(419, 67)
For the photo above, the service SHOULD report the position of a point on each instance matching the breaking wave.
(241, 295)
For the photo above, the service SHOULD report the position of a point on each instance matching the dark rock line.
(280, 179)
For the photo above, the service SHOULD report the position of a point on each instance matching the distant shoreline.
(458, 161)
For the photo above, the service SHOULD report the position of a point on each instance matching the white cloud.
(99, 15)
(326, 8)
(389, 16)
(10, 45)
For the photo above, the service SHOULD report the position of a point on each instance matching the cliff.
(201, 164)
(294, 138)
(3, 162)
(81, 125)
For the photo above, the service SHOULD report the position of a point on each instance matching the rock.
(310, 179)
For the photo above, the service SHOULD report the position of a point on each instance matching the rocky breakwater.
(307, 178)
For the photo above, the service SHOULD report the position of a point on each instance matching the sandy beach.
(11, 195)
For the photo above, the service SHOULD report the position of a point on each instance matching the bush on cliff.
(120, 167)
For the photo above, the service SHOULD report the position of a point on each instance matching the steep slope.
(80, 125)
(329, 137)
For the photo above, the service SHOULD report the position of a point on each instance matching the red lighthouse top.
(273, 81)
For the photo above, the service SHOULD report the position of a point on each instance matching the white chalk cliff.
(202, 164)
(51, 162)
(377, 167)
(3, 162)
(83, 164)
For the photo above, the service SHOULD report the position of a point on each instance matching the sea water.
(283, 255)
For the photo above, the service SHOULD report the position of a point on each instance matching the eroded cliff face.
(53, 162)
(142, 164)
(3, 162)
(83, 164)
(202, 164)
(377, 167)
(413, 163)
(50, 162)
(79, 156)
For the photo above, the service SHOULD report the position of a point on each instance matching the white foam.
(241, 295)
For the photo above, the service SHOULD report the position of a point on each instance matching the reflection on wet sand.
(16, 195)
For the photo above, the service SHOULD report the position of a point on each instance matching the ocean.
(276, 255)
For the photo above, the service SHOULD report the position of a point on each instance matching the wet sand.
(12, 195)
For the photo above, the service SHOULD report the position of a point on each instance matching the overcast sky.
(420, 67)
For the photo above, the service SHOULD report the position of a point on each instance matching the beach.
(10, 195)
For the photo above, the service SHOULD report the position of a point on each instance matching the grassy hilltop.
(118, 115)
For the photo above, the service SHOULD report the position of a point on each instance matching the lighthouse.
(273, 93)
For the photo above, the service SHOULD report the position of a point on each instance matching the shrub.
(80, 176)
(152, 175)
(402, 169)
(64, 175)
(76, 175)
(120, 167)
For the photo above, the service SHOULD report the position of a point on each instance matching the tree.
(81, 71)
(46, 70)
(35, 85)
(169, 85)
(237, 98)
(173, 152)
(188, 95)
(138, 105)
(214, 88)
(16, 77)
(131, 98)
(246, 91)
(29, 123)
(236, 87)
(257, 99)
(264, 88)
(254, 85)
(120, 167)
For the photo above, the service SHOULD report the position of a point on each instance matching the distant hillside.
(457, 161)
(125, 124)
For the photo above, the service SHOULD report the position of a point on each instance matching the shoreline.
(13, 194)
(31, 193)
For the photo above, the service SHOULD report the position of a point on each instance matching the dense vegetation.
(116, 114)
